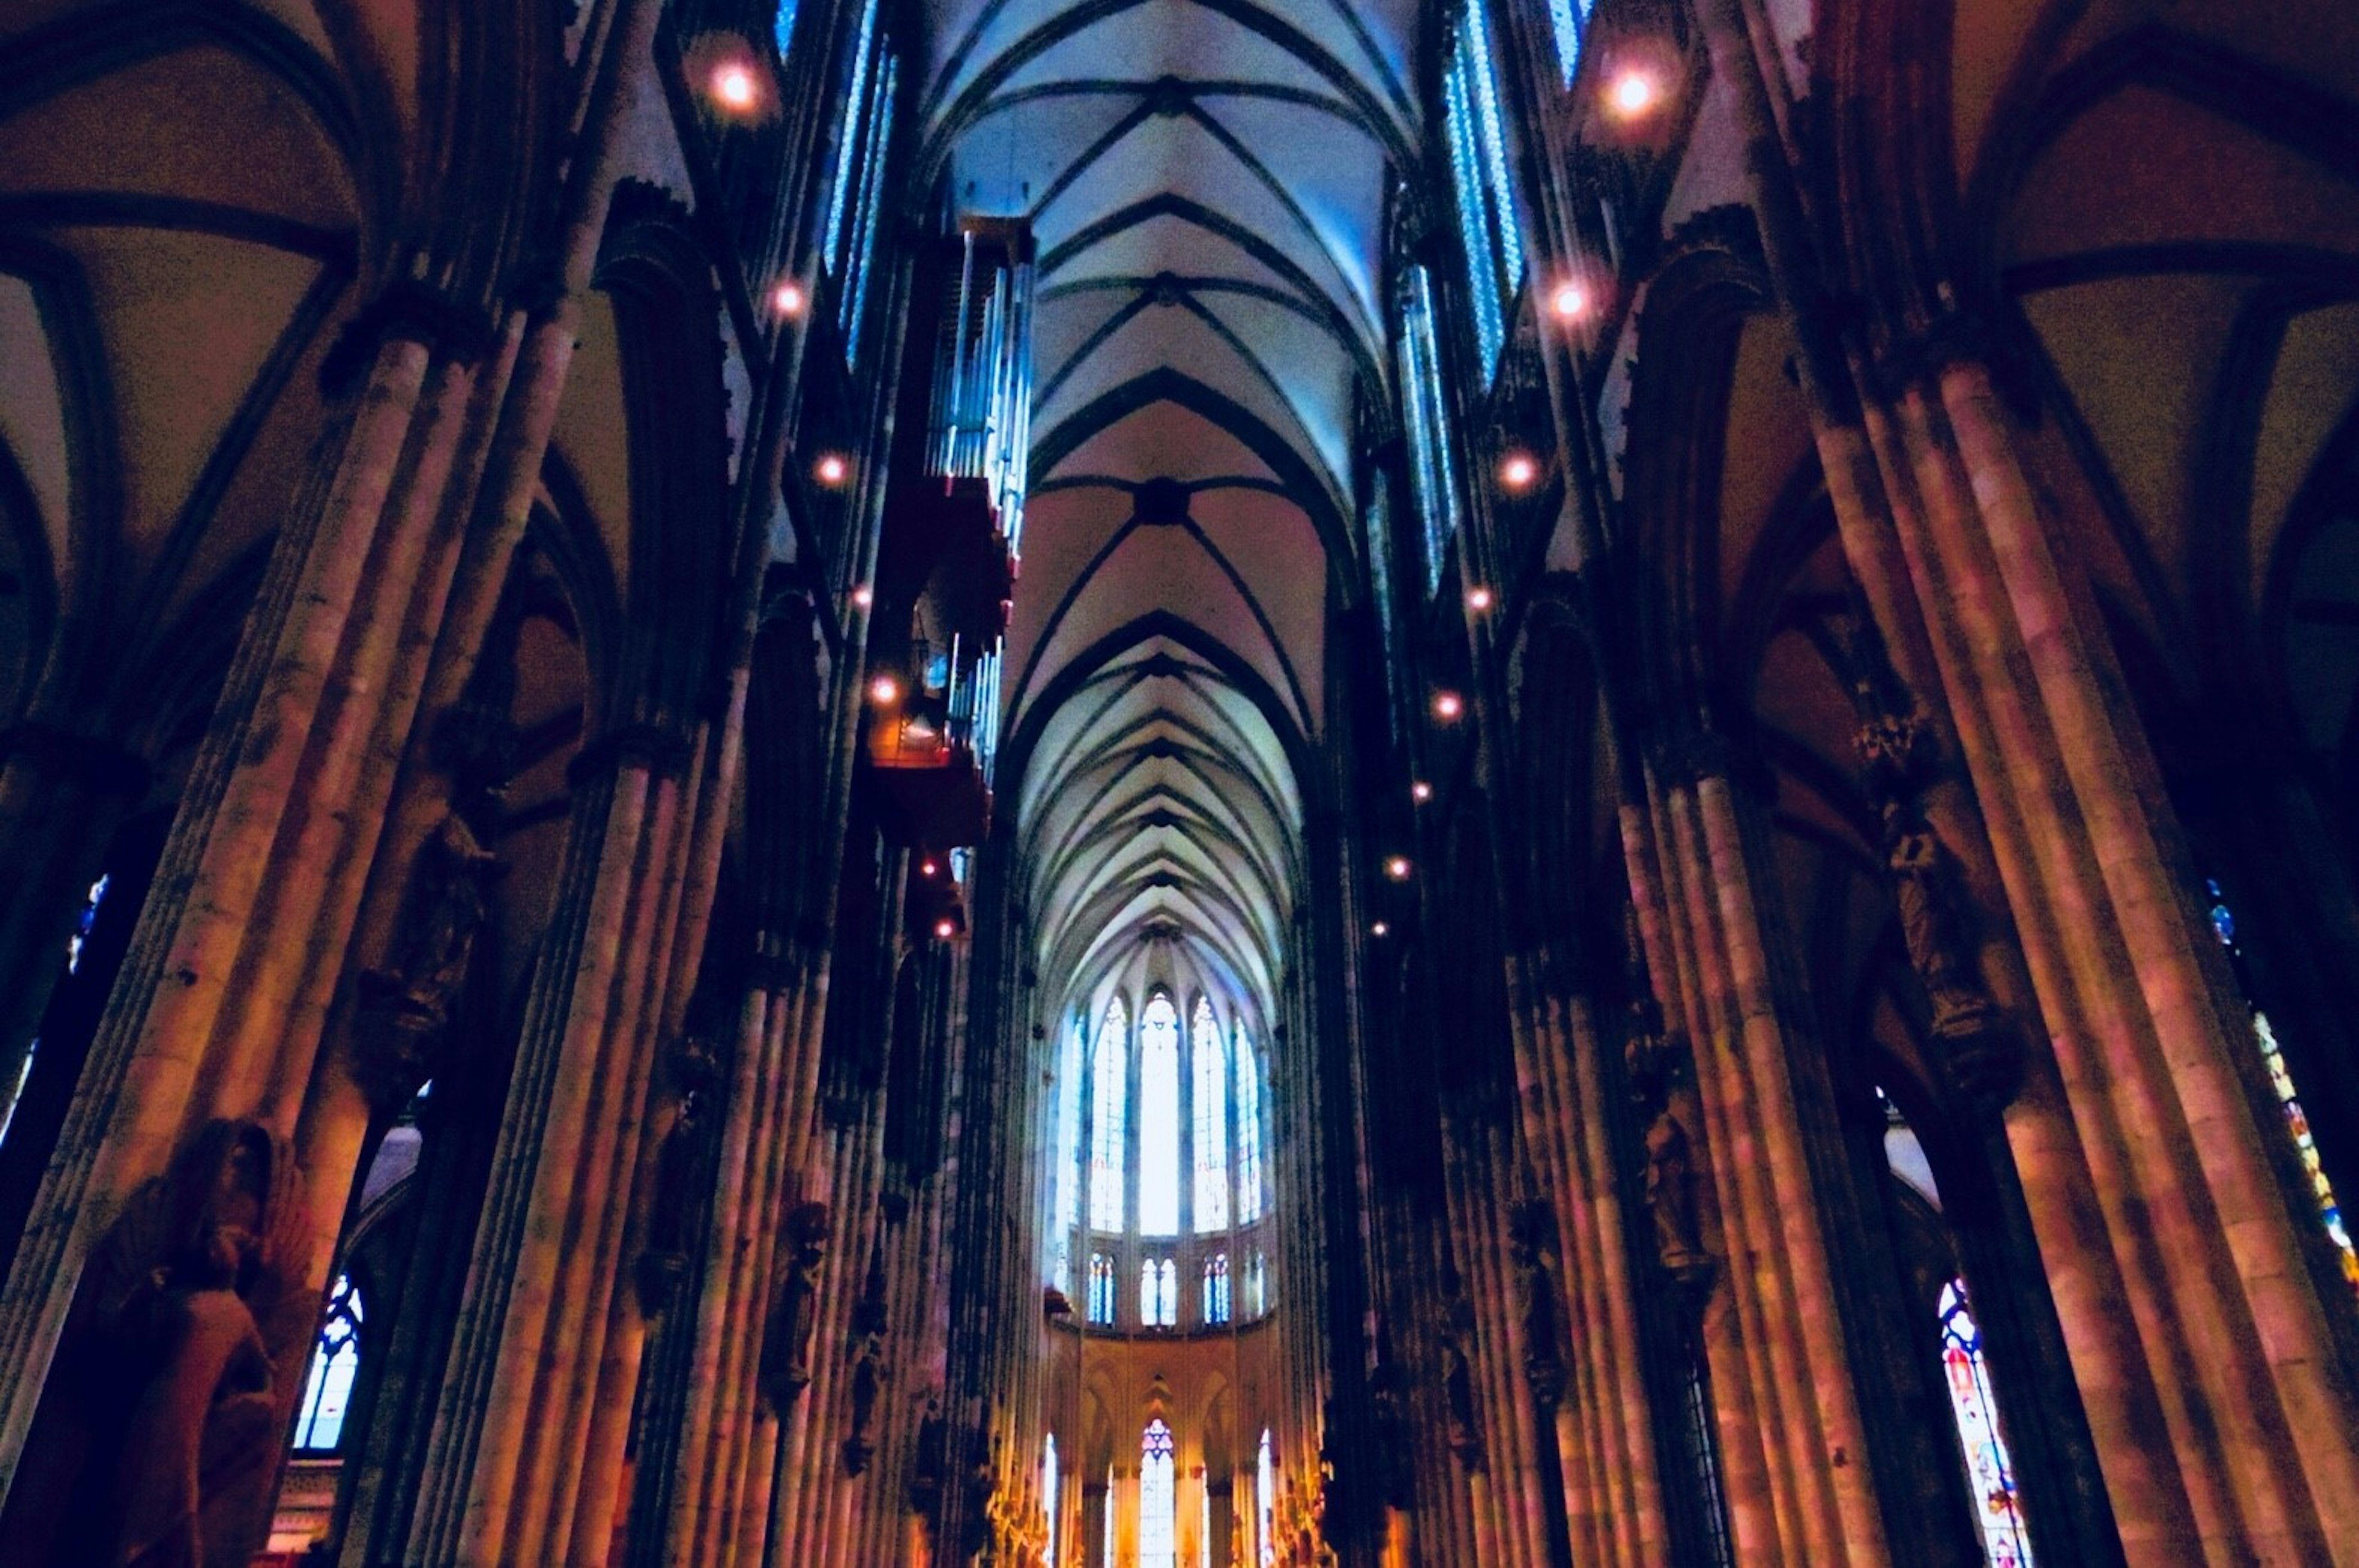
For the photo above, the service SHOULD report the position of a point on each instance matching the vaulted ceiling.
(1208, 182)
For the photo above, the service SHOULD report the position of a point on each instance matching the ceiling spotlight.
(734, 87)
(885, 690)
(1570, 302)
(1397, 867)
(832, 470)
(1448, 705)
(1420, 791)
(787, 299)
(926, 868)
(1478, 599)
(945, 929)
(863, 596)
(1633, 91)
(1518, 470)
(1379, 929)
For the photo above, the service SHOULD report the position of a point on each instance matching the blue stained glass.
(1159, 1502)
(335, 1362)
(1567, 17)
(1998, 1510)
(783, 29)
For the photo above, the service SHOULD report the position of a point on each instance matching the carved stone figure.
(796, 1318)
(405, 1006)
(198, 1288)
(1670, 1197)
(664, 1263)
(1983, 1049)
(1458, 1390)
(1544, 1369)
(868, 1380)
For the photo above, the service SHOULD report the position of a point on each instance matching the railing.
(980, 423)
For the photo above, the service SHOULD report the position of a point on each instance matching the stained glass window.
(2322, 1191)
(1068, 1146)
(1566, 18)
(1110, 1075)
(1256, 1286)
(1159, 1293)
(335, 1361)
(1159, 1502)
(1158, 1119)
(1998, 1510)
(783, 28)
(1211, 1121)
(1478, 164)
(1048, 1498)
(1101, 1288)
(74, 945)
(857, 194)
(1266, 1501)
(1216, 1287)
(1433, 475)
(1249, 1181)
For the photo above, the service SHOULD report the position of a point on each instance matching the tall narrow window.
(782, 26)
(1101, 1288)
(1110, 1084)
(858, 193)
(1266, 1502)
(2264, 1039)
(1048, 1498)
(1256, 1286)
(840, 190)
(1212, 1129)
(1478, 164)
(1566, 18)
(1159, 1293)
(74, 945)
(1703, 1454)
(1158, 1119)
(335, 1361)
(1433, 474)
(1249, 1182)
(1159, 1501)
(1216, 1287)
(1068, 1148)
(1998, 1511)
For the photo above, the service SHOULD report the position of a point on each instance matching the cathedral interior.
(1179, 784)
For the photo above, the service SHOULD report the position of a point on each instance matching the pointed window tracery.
(335, 1362)
(1212, 1131)
(1158, 1119)
(1159, 1502)
(1249, 1181)
(1998, 1511)
(1110, 1074)
(1101, 1288)
(1216, 1287)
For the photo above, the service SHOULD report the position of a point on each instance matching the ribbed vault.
(1207, 182)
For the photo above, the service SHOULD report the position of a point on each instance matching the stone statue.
(405, 1006)
(796, 1318)
(867, 1379)
(199, 1289)
(1983, 1049)
(1544, 1369)
(1458, 1388)
(1670, 1197)
(664, 1261)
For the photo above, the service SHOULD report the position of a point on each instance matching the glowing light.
(1570, 301)
(926, 868)
(734, 87)
(1478, 599)
(1397, 867)
(886, 690)
(1634, 92)
(1519, 470)
(945, 929)
(832, 470)
(1379, 929)
(787, 299)
(1448, 705)
(1420, 791)
(863, 596)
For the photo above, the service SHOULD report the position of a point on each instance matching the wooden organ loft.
(946, 561)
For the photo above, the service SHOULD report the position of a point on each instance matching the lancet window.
(1478, 166)
(1159, 1501)
(335, 1362)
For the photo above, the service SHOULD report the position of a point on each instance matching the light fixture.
(1570, 302)
(831, 469)
(945, 930)
(1420, 791)
(733, 86)
(1633, 91)
(1379, 929)
(926, 868)
(787, 299)
(1478, 599)
(1517, 471)
(1397, 867)
(886, 690)
(863, 596)
(1448, 705)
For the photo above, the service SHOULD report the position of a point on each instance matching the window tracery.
(1157, 1500)
(335, 1362)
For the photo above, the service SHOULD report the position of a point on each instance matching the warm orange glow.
(1570, 302)
(885, 690)
(1519, 470)
(1397, 867)
(945, 930)
(733, 86)
(1448, 705)
(832, 470)
(926, 868)
(1420, 791)
(1634, 92)
(1478, 599)
(787, 299)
